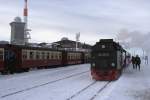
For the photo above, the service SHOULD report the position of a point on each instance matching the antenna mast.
(26, 32)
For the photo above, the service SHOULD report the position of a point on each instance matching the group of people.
(136, 61)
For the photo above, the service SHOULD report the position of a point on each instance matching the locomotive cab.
(107, 60)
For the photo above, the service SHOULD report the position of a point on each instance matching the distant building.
(17, 31)
(65, 43)
(4, 42)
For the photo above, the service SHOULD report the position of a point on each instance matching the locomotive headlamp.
(93, 64)
(103, 46)
(113, 64)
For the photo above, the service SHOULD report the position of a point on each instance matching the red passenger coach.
(72, 57)
(108, 60)
(21, 58)
(16, 58)
(33, 57)
(1, 59)
(7, 58)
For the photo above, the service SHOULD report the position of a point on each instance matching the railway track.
(47, 83)
(76, 94)
(88, 86)
(100, 90)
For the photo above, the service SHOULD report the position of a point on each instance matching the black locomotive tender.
(108, 59)
(15, 58)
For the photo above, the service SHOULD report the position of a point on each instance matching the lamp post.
(77, 40)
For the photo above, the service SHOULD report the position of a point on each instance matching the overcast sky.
(50, 20)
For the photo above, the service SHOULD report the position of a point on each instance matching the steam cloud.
(135, 39)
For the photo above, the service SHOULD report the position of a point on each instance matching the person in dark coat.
(137, 61)
(133, 62)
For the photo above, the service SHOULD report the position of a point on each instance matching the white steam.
(135, 39)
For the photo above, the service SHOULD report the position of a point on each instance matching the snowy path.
(132, 85)
(75, 83)
(12, 85)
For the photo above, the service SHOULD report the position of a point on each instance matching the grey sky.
(50, 20)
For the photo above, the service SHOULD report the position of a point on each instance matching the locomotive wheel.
(4, 72)
(11, 72)
(26, 70)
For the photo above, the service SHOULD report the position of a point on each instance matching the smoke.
(134, 39)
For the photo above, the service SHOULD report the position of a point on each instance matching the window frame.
(2, 54)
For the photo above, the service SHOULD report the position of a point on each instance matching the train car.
(7, 58)
(1, 58)
(72, 57)
(108, 60)
(40, 57)
(87, 57)
(17, 58)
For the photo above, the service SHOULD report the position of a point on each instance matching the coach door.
(10, 60)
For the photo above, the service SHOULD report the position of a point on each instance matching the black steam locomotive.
(108, 59)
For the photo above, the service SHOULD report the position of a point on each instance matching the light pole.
(77, 40)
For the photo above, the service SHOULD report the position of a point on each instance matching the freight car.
(16, 58)
(108, 60)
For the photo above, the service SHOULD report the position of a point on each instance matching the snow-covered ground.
(75, 83)
(133, 85)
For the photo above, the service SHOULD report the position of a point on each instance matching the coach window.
(79, 56)
(47, 56)
(69, 56)
(76, 56)
(52, 56)
(24, 54)
(73, 56)
(31, 55)
(43, 55)
(1, 54)
(60, 56)
(56, 56)
(37, 55)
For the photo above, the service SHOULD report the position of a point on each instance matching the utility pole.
(77, 40)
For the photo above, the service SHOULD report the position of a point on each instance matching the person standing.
(137, 62)
(133, 62)
(146, 59)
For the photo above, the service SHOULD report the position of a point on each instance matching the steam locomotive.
(17, 58)
(108, 59)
